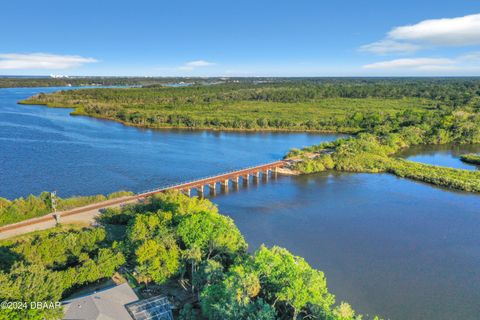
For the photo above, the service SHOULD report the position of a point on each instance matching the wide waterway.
(46, 149)
(402, 249)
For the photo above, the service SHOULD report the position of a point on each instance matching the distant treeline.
(335, 105)
(13, 82)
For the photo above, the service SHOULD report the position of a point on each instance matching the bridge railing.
(173, 185)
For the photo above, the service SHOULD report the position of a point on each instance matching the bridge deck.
(214, 179)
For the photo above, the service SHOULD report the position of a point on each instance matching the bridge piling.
(245, 179)
(265, 175)
(274, 172)
(256, 176)
(235, 180)
(235, 183)
(200, 190)
(224, 185)
(213, 188)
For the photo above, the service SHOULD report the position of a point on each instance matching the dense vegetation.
(12, 211)
(471, 158)
(173, 239)
(46, 266)
(375, 153)
(350, 105)
(374, 149)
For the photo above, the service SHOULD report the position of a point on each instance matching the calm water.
(443, 155)
(387, 245)
(46, 149)
(402, 249)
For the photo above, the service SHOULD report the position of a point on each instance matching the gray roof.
(108, 304)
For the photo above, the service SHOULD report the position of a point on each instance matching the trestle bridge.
(87, 213)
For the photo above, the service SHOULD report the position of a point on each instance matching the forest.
(171, 240)
(329, 105)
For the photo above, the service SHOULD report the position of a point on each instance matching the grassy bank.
(20, 209)
(471, 158)
(374, 153)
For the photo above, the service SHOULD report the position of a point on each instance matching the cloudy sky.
(240, 38)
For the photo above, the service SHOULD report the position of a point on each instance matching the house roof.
(108, 304)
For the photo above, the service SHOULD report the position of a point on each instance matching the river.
(398, 248)
(46, 149)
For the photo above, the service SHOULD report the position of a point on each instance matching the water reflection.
(442, 155)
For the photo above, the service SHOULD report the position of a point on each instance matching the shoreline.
(128, 124)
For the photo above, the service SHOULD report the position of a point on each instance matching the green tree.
(157, 260)
(236, 298)
(290, 280)
(214, 234)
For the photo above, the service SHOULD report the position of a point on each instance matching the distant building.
(58, 76)
(117, 303)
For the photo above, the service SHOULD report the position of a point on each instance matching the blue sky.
(240, 38)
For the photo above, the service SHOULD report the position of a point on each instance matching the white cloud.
(445, 32)
(41, 61)
(422, 64)
(459, 31)
(390, 46)
(195, 64)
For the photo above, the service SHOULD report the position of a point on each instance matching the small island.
(471, 158)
